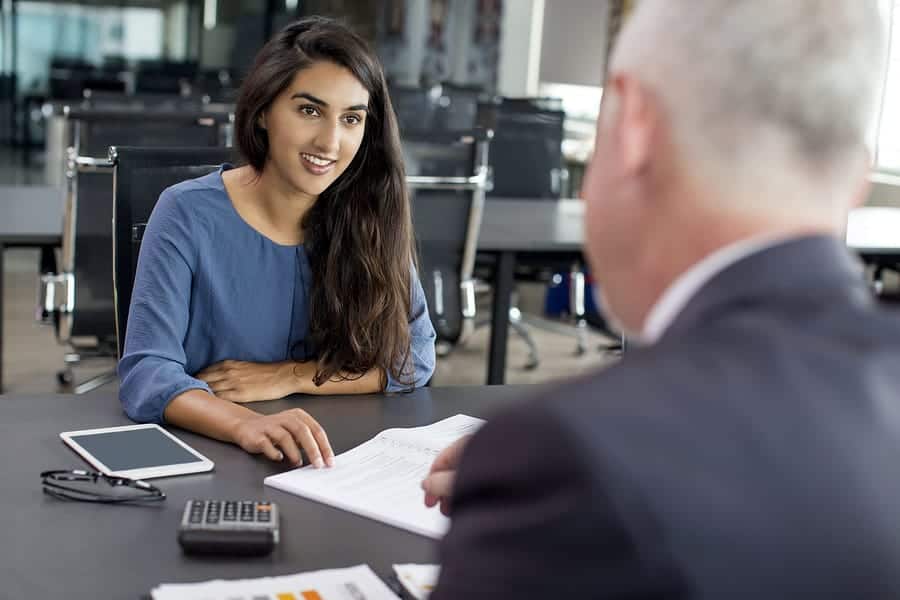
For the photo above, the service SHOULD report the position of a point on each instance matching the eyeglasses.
(88, 486)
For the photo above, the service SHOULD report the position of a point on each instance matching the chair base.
(520, 329)
(66, 376)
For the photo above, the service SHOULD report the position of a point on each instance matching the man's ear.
(637, 116)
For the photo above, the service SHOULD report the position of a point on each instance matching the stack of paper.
(353, 583)
(418, 580)
(381, 479)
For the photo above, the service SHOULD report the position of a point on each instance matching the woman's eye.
(352, 119)
(310, 111)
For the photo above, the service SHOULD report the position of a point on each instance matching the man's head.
(721, 120)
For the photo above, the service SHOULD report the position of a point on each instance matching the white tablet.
(136, 451)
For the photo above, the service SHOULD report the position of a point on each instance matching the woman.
(291, 273)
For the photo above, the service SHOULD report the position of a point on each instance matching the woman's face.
(316, 126)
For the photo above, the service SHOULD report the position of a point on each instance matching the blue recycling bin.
(556, 300)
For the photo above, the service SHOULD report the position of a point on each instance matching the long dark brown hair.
(358, 234)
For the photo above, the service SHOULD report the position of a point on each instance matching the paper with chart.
(381, 479)
(352, 583)
(418, 580)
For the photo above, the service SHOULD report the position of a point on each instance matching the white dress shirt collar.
(670, 304)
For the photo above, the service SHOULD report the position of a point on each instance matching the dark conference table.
(58, 549)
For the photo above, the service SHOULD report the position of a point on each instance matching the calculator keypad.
(231, 514)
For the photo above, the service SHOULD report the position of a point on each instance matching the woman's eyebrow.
(323, 104)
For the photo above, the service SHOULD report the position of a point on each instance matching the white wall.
(403, 55)
(573, 48)
(520, 47)
(176, 28)
(217, 45)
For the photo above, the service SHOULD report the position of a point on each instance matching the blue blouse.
(210, 288)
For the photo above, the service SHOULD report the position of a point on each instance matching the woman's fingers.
(318, 432)
(303, 438)
(265, 446)
(285, 435)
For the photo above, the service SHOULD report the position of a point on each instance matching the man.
(749, 447)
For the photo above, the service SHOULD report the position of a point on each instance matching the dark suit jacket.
(753, 452)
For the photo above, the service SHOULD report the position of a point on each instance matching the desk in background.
(74, 550)
(520, 230)
(516, 230)
(874, 233)
(512, 230)
(30, 216)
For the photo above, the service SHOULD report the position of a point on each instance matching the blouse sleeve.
(152, 368)
(421, 341)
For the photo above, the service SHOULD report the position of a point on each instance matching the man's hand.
(282, 435)
(241, 381)
(438, 485)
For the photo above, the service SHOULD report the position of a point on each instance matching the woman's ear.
(261, 121)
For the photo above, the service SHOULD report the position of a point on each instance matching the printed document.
(352, 583)
(381, 479)
(417, 580)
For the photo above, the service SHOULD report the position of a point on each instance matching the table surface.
(31, 214)
(58, 549)
(874, 230)
(541, 225)
(532, 225)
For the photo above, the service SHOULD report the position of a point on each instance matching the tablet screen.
(134, 449)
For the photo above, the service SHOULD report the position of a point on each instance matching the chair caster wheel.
(531, 365)
(65, 378)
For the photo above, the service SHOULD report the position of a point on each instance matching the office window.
(888, 134)
(89, 33)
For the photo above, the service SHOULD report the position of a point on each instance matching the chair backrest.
(447, 178)
(217, 85)
(415, 108)
(139, 176)
(67, 77)
(458, 107)
(87, 230)
(526, 152)
(94, 131)
(442, 107)
(165, 77)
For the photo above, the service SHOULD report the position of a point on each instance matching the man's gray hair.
(741, 77)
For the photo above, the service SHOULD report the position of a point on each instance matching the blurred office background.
(514, 66)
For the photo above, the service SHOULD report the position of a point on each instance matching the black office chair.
(443, 107)
(78, 300)
(457, 108)
(526, 153)
(165, 77)
(67, 76)
(139, 176)
(415, 108)
(216, 85)
(447, 178)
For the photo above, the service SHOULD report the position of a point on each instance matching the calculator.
(229, 527)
